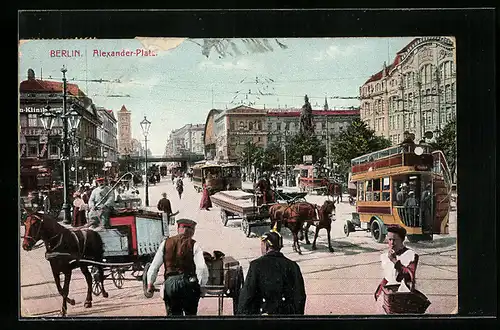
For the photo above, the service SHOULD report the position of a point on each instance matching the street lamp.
(71, 121)
(145, 125)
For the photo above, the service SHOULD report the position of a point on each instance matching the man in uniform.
(185, 270)
(101, 204)
(274, 283)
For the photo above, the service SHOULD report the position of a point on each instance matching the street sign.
(308, 159)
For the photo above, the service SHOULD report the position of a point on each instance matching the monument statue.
(306, 124)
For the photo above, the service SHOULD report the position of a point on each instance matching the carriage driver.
(185, 270)
(101, 204)
(274, 283)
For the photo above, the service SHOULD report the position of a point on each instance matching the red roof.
(314, 112)
(397, 59)
(123, 109)
(37, 85)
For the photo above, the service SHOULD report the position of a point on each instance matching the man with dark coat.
(274, 284)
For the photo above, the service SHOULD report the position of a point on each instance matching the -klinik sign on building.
(37, 109)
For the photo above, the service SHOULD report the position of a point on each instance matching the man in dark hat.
(185, 270)
(101, 204)
(399, 263)
(274, 283)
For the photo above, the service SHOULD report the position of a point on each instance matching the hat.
(164, 194)
(274, 239)
(99, 180)
(411, 192)
(402, 185)
(87, 184)
(186, 223)
(397, 229)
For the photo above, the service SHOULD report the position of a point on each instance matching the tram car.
(232, 176)
(209, 174)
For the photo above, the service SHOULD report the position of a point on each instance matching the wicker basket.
(414, 302)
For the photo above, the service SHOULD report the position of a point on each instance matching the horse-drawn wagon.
(129, 245)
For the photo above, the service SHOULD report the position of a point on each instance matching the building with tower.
(124, 131)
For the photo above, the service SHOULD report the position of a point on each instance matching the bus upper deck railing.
(410, 215)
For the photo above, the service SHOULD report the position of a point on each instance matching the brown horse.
(325, 221)
(294, 216)
(333, 189)
(64, 248)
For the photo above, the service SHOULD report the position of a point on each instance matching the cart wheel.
(245, 226)
(117, 276)
(147, 294)
(224, 217)
(96, 287)
(377, 233)
(346, 229)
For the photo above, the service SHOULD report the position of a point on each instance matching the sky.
(181, 84)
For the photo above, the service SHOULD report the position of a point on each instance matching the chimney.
(31, 74)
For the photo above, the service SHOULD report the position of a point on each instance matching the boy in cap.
(101, 204)
(399, 263)
(274, 283)
(166, 211)
(185, 270)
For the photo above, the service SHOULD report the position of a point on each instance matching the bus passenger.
(411, 208)
(402, 194)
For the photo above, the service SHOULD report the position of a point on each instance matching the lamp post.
(145, 125)
(70, 121)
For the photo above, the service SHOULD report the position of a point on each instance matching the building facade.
(416, 93)
(40, 151)
(107, 134)
(124, 131)
(187, 139)
(228, 131)
(282, 123)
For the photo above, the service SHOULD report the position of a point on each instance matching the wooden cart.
(238, 204)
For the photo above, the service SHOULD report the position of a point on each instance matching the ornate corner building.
(416, 93)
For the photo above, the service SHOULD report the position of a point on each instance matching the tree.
(302, 144)
(447, 143)
(357, 140)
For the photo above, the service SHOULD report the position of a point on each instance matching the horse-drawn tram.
(407, 185)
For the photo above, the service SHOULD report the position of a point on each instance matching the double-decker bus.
(407, 185)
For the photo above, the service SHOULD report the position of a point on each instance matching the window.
(287, 126)
(232, 125)
(32, 150)
(250, 125)
(452, 92)
(269, 126)
(376, 190)
(242, 125)
(369, 190)
(278, 126)
(53, 150)
(32, 120)
(386, 189)
(361, 191)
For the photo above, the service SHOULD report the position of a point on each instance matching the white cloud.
(236, 64)
(338, 51)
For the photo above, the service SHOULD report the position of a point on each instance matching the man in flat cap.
(185, 270)
(274, 284)
(399, 263)
(166, 211)
(101, 204)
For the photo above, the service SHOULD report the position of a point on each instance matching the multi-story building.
(40, 150)
(228, 131)
(107, 134)
(282, 123)
(187, 139)
(416, 93)
(124, 131)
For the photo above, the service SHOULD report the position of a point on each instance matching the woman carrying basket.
(399, 265)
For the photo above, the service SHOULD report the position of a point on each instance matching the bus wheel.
(347, 229)
(376, 231)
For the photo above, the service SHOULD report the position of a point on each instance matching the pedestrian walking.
(185, 270)
(46, 202)
(179, 186)
(399, 264)
(274, 284)
(79, 210)
(206, 202)
(166, 211)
